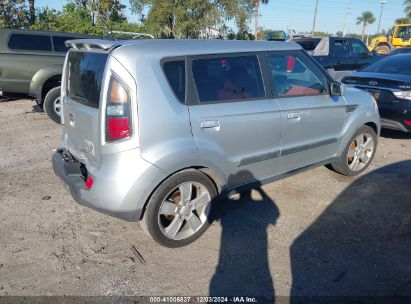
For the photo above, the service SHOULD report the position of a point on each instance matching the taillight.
(407, 122)
(118, 116)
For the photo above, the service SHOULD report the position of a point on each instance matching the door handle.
(295, 116)
(210, 125)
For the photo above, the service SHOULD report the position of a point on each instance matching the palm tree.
(365, 19)
(407, 9)
(402, 20)
(257, 14)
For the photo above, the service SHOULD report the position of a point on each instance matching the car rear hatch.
(82, 92)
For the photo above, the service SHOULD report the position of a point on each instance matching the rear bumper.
(75, 184)
(393, 115)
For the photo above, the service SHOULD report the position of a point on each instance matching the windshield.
(404, 32)
(399, 64)
(85, 73)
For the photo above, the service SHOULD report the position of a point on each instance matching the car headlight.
(403, 94)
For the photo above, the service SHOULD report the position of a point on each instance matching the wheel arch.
(45, 78)
(215, 178)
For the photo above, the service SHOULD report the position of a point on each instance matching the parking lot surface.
(317, 233)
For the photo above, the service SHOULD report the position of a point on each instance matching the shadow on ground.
(361, 244)
(395, 134)
(243, 267)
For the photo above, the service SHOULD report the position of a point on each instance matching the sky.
(299, 14)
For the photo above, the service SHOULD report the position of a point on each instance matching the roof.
(181, 47)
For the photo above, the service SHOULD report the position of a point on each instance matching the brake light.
(118, 116)
(89, 182)
(407, 122)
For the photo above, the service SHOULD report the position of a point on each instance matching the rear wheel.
(178, 212)
(383, 49)
(358, 154)
(52, 104)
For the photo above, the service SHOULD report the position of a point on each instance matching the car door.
(312, 120)
(361, 54)
(235, 125)
(341, 53)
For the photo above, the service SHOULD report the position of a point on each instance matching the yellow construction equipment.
(401, 37)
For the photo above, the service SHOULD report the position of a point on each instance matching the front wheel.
(358, 154)
(178, 212)
(52, 104)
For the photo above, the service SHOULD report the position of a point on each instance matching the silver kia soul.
(156, 130)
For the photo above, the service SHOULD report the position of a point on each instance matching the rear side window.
(175, 72)
(309, 44)
(84, 77)
(341, 48)
(58, 43)
(26, 42)
(228, 78)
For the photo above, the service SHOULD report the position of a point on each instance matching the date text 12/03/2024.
(239, 299)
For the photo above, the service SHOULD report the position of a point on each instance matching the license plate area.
(72, 167)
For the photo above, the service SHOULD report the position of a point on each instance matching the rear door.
(82, 83)
(312, 120)
(235, 125)
(342, 60)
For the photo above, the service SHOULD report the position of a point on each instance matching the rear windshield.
(308, 44)
(398, 64)
(85, 73)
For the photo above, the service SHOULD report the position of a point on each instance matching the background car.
(341, 56)
(401, 51)
(389, 80)
(32, 63)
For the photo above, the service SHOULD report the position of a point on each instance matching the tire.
(358, 154)
(52, 104)
(383, 49)
(175, 222)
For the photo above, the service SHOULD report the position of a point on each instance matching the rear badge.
(89, 147)
(373, 83)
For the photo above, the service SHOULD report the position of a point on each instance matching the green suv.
(31, 63)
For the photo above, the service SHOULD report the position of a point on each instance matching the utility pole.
(347, 13)
(382, 2)
(315, 16)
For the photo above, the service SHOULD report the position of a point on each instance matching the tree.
(365, 19)
(13, 13)
(32, 12)
(404, 20)
(189, 18)
(407, 4)
(257, 14)
(339, 34)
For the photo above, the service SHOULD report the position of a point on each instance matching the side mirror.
(337, 88)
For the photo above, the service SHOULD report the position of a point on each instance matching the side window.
(58, 43)
(341, 48)
(27, 42)
(294, 75)
(358, 48)
(228, 78)
(176, 75)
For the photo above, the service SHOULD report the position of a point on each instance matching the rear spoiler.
(90, 44)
